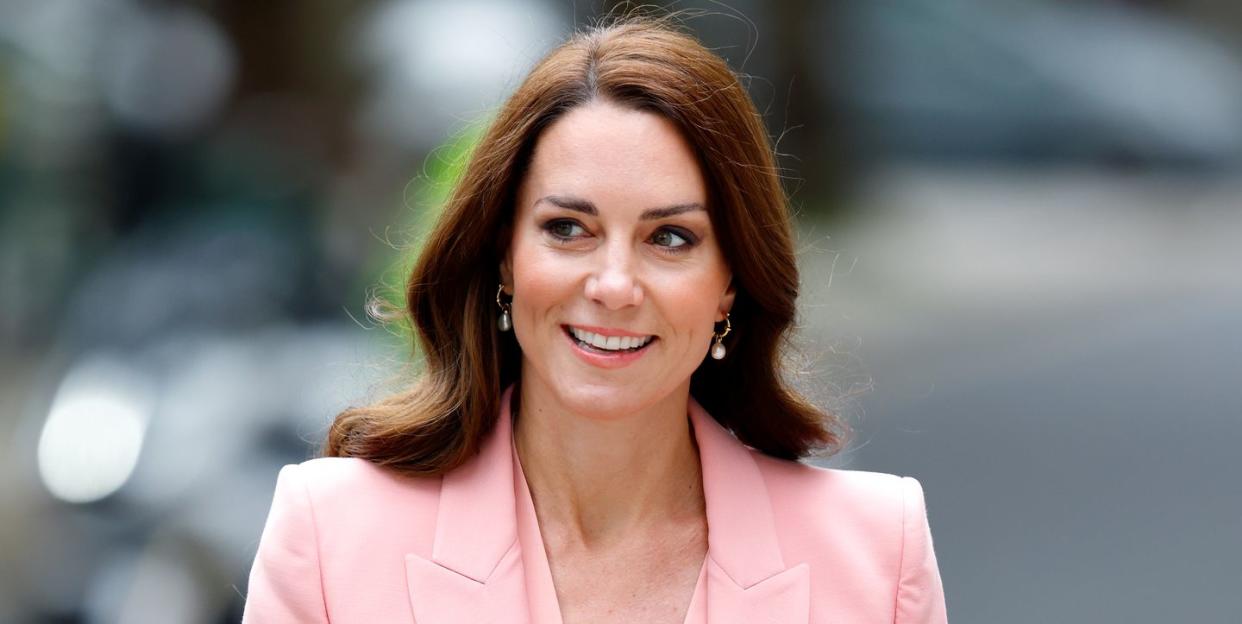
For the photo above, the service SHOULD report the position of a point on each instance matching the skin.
(608, 453)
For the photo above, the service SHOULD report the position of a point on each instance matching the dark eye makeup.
(562, 229)
(666, 237)
(669, 239)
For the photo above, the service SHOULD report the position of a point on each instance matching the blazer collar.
(475, 525)
(747, 578)
(475, 570)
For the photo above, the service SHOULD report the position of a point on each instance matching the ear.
(505, 238)
(726, 301)
(506, 272)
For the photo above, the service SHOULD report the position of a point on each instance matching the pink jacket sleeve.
(920, 595)
(285, 581)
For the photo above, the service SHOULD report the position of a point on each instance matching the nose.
(613, 283)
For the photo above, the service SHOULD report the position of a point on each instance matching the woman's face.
(616, 276)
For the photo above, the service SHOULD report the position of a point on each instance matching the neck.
(596, 481)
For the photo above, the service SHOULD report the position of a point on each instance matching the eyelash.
(551, 226)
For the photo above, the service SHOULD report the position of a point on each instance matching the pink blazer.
(349, 542)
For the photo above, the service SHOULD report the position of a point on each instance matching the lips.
(602, 357)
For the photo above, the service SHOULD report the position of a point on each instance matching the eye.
(564, 229)
(673, 239)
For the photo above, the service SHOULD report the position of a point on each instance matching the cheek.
(690, 302)
(540, 282)
(708, 285)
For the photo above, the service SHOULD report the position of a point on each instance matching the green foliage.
(423, 201)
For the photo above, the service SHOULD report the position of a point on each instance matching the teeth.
(610, 343)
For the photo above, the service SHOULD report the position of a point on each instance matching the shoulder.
(336, 539)
(822, 509)
(353, 478)
(842, 490)
(352, 500)
(868, 529)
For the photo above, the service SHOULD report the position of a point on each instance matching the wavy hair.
(647, 64)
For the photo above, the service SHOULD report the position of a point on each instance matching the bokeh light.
(93, 435)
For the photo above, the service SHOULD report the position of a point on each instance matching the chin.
(603, 402)
(599, 396)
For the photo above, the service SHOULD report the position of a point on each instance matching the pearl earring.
(505, 322)
(718, 349)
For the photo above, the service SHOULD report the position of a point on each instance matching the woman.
(571, 453)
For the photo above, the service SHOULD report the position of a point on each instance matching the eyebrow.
(578, 204)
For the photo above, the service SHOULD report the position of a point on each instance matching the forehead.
(604, 152)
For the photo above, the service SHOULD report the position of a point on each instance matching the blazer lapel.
(747, 581)
(475, 570)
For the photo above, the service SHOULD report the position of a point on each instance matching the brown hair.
(646, 64)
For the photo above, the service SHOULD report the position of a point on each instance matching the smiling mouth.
(597, 343)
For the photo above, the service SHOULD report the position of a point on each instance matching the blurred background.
(1019, 229)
